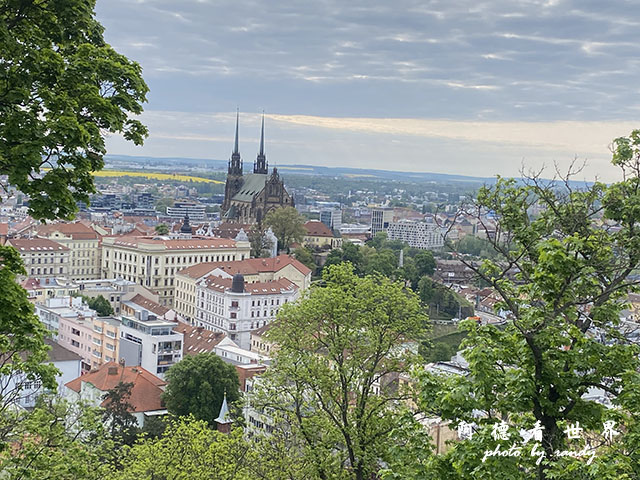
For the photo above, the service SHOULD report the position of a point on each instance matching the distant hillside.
(209, 164)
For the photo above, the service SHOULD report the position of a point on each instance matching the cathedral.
(248, 198)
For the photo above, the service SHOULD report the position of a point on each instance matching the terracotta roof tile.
(75, 230)
(197, 339)
(146, 391)
(24, 245)
(315, 228)
(150, 305)
(248, 266)
(176, 244)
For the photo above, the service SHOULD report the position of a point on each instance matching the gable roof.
(150, 305)
(146, 391)
(24, 245)
(257, 288)
(197, 339)
(75, 230)
(252, 185)
(248, 266)
(315, 228)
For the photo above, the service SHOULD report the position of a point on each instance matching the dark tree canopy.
(100, 304)
(196, 385)
(62, 90)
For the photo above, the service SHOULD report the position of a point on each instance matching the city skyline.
(464, 88)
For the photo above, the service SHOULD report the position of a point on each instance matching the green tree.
(23, 353)
(349, 252)
(121, 423)
(425, 263)
(563, 338)
(100, 304)
(260, 244)
(304, 255)
(329, 381)
(382, 261)
(162, 229)
(163, 203)
(287, 225)
(63, 88)
(58, 441)
(197, 384)
(188, 450)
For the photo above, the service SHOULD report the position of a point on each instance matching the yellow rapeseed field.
(154, 176)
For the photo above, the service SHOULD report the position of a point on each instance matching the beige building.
(319, 236)
(42, 258)
(154, 261)
(84, 247)
(253, 270)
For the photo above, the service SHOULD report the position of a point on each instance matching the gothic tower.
(261, 165)
(234, 172)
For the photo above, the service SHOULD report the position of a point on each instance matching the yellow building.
(154, 261)
(84, 247)
(319, 236)
(253, 270)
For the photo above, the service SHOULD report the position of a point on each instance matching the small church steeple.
(224, 418)
(235, 164)
(260, 165)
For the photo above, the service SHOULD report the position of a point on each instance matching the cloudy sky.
(454, 86)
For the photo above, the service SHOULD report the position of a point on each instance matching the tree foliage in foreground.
(63, 88)
(197, 384)
(23, 353)
(332, 382)
(564, 340)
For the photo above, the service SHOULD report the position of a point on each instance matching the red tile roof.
(248, 266)
(258, 288)
(146, 391)
(315, 228)
(24, 245)
(176, 244)
(76, 230)
(197, 339)
(150, 305)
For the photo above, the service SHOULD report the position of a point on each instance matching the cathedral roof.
(252, 185)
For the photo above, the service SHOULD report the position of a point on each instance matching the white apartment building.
(427, 236)
(237, 308)
(84, 247)
(153, 261)
(42, 258)
(253, 269)
(151, 343)
(196, 211)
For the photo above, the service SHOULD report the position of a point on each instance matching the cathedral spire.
(235, 164)
(236, 149)
(260, 165)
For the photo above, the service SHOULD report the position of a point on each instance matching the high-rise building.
(331, 217)
(381, 217)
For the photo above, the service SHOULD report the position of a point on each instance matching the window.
(234, 304)
(110, 346)
(233, 315)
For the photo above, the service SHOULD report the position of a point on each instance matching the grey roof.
(58, 353)
(253, 184)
